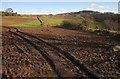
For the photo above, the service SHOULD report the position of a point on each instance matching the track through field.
(57, 58)
(58, 53)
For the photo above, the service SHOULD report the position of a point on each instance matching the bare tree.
(10, 10)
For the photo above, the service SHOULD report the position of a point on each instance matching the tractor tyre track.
(42, 53)
(81, 66)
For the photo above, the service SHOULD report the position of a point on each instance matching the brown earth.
(23, 59)
(11, 20)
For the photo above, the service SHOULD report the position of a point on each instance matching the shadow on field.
(70, 25)
(77, 42)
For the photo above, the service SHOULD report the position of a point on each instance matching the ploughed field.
(56, 52)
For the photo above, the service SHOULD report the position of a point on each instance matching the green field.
(31, 21)
(69, 21)
(28, 21)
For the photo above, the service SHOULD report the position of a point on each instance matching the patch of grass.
(56, 21)
(34, 23)
(46, 20)
(101, 26)
(113, 31)
(51, 21)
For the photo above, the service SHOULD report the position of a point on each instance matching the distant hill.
(88, 12)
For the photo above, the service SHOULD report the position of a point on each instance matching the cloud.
(92, 5)
(62, 9)
(101, 6)
(89, 9)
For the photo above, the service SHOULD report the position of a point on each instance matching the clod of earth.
(116, 48)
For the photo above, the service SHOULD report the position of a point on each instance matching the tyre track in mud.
(50, 62)
(79, 65)
(32, 58)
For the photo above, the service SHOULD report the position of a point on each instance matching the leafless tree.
(10, 10)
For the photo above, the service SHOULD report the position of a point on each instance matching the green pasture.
(32, 23)
(35, 23)
(50, 21)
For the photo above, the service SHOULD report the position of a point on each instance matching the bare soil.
(11, 20)
(23, 58)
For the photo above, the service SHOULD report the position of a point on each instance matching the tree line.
(8, 12)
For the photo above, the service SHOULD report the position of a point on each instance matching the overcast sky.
(59, 7)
